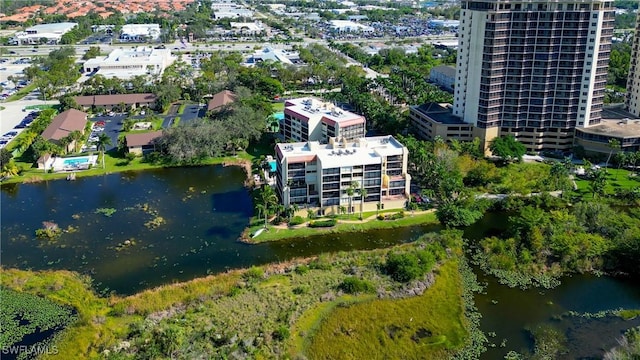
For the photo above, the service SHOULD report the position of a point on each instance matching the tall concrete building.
(536, 69)
(633, 84)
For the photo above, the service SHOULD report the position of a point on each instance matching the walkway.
(372, 217)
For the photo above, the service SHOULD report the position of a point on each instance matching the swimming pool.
(73, 162)
(279, 115)
(272, 164)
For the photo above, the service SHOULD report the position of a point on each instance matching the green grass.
(21, 93)
(391, 329)
(629, 314)
(176, 121)
(278, 106)
(181, 108)
(42, 107)
(617, 179)
(273, 234)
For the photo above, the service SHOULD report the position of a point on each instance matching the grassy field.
(425, 327)
(247, 311)
(278, 107)
(274, 233)
(617, 179)
(21, 93)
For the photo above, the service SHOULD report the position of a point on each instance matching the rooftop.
(367, 150)
(440, 113)
(314, 107)
(221, 99)
(142, 139)
(115, 99)
(59, 28)
(445, 69)
(64, 123)
(624, 128)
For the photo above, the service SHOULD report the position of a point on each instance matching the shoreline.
(283, 232)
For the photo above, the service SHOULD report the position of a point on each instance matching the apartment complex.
(311, 119)
(633, 84)
(536, 69)
(318, 176)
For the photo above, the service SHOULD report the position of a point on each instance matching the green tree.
(267, 199)
(350, 191)
(363, 195)
(507, 148)
(101, 144)
(5, 156)
(614, 145)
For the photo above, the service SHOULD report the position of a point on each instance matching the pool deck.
(59, 165)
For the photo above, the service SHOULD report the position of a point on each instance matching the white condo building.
(536, 69)
(127, 63)
(312, 119)
(317, 176)
(633, 83)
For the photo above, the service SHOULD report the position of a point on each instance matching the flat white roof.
(314, 107)
(363, 151)
(56, 28)
(140, 29)
(249, 25)
(349, 25)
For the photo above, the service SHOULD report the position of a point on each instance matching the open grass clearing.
(617, 179)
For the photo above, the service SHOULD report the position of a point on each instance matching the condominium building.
(536, 69)
(311, 119)
(318, 176)
(633, 84)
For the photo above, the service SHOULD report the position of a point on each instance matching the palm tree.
(266, 198)
(614, 144)
(363, 194)
(350, 191)
(101, 145)
(64, 143)
(75, 136)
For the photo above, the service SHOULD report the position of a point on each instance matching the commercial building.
(633, 83)
(248, 28)
(443, 76)
(312, 119)
(616, 124)
(319, 176)
(140, 32)
(230, 10)
(130, 62)
(38, 33)
(275, 55)
(532, 68)
(343, 26)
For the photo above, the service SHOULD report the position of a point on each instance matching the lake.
(205, 210)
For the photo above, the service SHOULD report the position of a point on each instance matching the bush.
(296, 220)
(254, 273)
(353, 285)
(282, 333)
(323, 223)
(409, 266)
(301, 269)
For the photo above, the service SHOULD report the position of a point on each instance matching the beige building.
(63, 125)
(616, 124)
(431, 120)
(536, 69)
(633, 83)
(141, 143)
(318, 176)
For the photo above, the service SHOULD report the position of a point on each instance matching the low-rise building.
(320, 176)
(248, 28)
(140, 32)
(64, 124)
(343, 26)
(443, 76)
(275, 55)
(109, 102)
(616, 124)
(47, 33)
(141, 143)
(312, 119)
(221, 99)
(433, 119)
(127, 63)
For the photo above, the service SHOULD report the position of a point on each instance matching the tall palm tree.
(350, 192)
(363, 194)
(64, 143)
(101, 145)
(75, 136)
(614, 144)
(267, 199)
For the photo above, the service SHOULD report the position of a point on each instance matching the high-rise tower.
(536, 69)
(633, 84)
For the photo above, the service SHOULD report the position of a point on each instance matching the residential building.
(64, 124)
(141, 143)
(38, 33)
(532, 68)
(633, 83)
(140, 32)
(109, 102)
(312, 119)
(443, 76)
(318, 176)
(130, 62)
(220, 100)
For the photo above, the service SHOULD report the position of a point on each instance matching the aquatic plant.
(106, 211)
(155, 222)
(49, 231)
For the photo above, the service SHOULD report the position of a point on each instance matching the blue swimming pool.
(279, 115)
(272, 164)
(75, 161)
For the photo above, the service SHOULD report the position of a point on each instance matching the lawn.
(21, 93)
(425, 327)
(617, 179)
(278, 106)
(273, 233)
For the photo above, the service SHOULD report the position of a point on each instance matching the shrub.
(353, 285)
(254, 273)
(296, 220)
(301, 269)
(299, 290)
(404, 267)
(281, 333)
(380, 217)
(323, 223)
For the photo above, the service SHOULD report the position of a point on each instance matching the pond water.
(206, 208)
